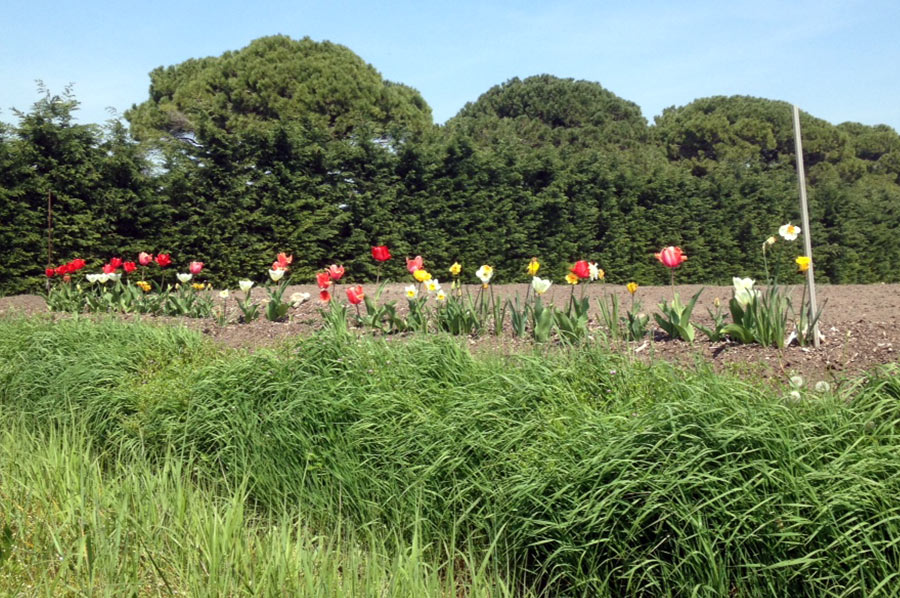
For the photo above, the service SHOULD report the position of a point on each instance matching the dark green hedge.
(230, 161)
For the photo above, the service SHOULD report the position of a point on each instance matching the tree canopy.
(301, 146)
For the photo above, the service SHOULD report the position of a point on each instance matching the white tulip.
(540, 285)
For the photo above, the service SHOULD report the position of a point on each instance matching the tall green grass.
(77, 524)
(572, 472)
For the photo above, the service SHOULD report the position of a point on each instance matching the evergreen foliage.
(300, 146)
(96, 177)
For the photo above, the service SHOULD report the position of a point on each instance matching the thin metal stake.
(807, 237)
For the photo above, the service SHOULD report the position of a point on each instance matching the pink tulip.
(355, 294)
(335, 272)
(195, 267)
(414, 264)
(671, 257)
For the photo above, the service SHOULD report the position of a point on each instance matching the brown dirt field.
(861, 324)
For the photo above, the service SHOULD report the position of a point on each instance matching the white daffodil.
(245, 285)
(411, 291)
(441, 296)
(184, 277)
(540, 285)
(299, 298)
(789, 232)
(223, 293)
(594, 271)
(276, 275)
(484, 273)
(432, 286)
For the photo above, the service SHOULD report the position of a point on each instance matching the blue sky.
(836, 60)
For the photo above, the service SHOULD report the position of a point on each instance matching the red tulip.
(108, 268)
(77, 264)
(282, 262)
(49, 272)
(129, 267)
(323, 280)
(163, 259)
(60, 270)
(195, 267)
(671, 257)
(355, 294)
(414, 264)
(144, 258)
(381, 253)
(116, 263)
(582, 269)
(335, 272)
(324, 296)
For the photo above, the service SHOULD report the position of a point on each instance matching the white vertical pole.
(807, 237)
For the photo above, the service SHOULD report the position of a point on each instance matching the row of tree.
(302, 147)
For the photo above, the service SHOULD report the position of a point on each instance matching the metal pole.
(49, 234)
(807, 237)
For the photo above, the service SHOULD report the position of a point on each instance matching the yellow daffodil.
(632, 287)
(533, 266)
(803, 263)
(455, 269)
(198, 286)
(571, 278)
(421, 275)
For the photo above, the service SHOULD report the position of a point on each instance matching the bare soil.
(861, 324)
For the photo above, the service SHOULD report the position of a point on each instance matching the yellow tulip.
(632, 287)
(533, 266)
(421, 275)
(803, 263)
